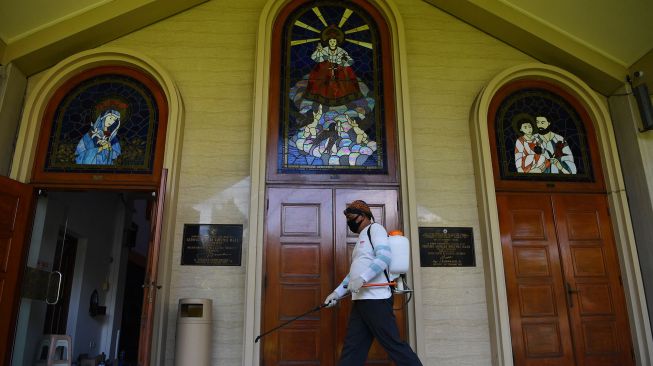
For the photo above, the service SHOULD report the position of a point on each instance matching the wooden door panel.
(581, 225)
(299, 260)
(537, 300)
(599, 321)
(534, 281)
(601, 343)
(9, 206)
(383, 204)
(595, 299)
(528, 224)
(298, 276)
(300, 220)
(542, 341)
(299, 346)
(532, 262)
(15, 217)
(588, 261)
(150, 286)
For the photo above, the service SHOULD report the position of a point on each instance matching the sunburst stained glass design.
(332, 92)
(541, 137)
(105, 124)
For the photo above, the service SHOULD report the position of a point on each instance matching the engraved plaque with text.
(446, 247)
(212, 245)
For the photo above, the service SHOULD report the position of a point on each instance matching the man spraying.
(371, 313)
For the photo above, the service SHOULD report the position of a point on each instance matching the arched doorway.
(565, 295)
(331, 140)
(101, 86)
(264, 83)
(572, 239)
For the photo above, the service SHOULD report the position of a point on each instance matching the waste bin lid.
(195, 301)
(195, 310)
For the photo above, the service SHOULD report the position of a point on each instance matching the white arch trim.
(34, 108)
(619, 212)
(254, 256)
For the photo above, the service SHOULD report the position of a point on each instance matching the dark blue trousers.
(371, 319)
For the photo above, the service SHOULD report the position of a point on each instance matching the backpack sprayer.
(399, 265)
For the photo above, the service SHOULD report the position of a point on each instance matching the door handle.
(570, 292)
(47, 298)
(152, 285)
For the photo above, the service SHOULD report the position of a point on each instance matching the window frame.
(391, 177)
(100, 179)
(543, 185)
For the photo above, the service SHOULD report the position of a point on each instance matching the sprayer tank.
(400, 248)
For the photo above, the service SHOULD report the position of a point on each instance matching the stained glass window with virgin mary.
(105, 124)
(331, 115)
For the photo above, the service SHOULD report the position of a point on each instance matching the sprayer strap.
(369, 235)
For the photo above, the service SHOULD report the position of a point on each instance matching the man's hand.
(355, 284)
(331, 300)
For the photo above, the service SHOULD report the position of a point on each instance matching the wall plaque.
(212, 245)
(446, 247)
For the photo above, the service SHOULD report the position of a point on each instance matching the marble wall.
(210, 52)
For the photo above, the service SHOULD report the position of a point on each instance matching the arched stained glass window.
(105, 124)
(332, 114)
(541, 134)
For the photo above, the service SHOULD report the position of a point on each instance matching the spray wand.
(320, 307)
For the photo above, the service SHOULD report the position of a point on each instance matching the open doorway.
(83, 277)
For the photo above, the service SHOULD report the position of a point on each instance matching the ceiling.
(605, 35)
(19, 18)
(621, 30)
(601, 41)
(36, 34)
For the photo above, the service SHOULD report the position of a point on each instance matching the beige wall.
(636, 151)
(12, 91)
(209, 51)
(448, 63)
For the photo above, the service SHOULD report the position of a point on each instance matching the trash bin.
(194, 332)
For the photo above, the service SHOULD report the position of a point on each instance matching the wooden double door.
(307, 253)
(565, 295)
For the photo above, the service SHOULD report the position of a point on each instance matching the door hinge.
(620, 281)
(632, 353)
(267, 204)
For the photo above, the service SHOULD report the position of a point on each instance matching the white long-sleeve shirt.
(369, 264)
